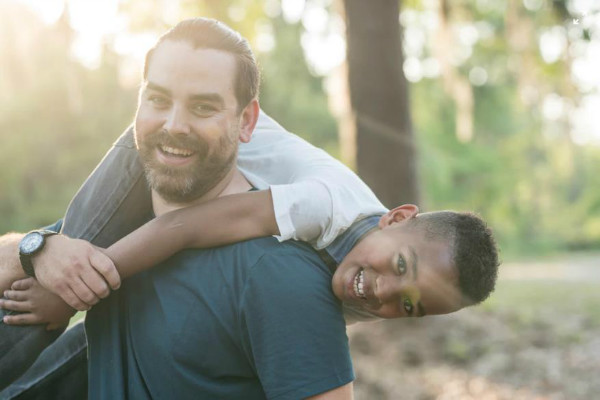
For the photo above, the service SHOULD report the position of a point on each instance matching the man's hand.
(39, 305)
(75, 270)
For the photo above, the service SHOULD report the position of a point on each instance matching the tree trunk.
(386, 154)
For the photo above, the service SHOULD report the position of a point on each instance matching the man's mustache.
(186, 142)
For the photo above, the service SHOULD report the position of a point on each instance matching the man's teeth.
(177, 152)
(359, 284)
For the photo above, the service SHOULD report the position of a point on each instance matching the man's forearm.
(10, 265)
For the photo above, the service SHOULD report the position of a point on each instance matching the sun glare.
(48, 10)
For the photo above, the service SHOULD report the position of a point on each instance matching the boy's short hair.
(474, 249)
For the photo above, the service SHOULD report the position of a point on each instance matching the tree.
(385, 155)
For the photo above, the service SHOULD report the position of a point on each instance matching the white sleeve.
(315, 197)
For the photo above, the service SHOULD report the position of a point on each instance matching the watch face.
(30, 243)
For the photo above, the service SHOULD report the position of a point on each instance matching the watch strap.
(26, 259)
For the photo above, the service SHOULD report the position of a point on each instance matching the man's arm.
(93, 271)
(292, 326)
(345, 392)
(10, 265)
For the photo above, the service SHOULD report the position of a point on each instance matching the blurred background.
(483, 105)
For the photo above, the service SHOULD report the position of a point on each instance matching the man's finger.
(23, 284)
(17, 295)
(105, 267)
(72, 300)
(11, 305)
(96, 283)
(84, 293)
(22, 319)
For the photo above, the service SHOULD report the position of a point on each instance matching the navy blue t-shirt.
(252, 320)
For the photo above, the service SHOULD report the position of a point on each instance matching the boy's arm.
(217, 222)
(315, 196)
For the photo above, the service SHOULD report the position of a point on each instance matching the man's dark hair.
(475, 254)
(206, 33)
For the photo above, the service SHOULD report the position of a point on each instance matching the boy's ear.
(400, 213)
(248, 120)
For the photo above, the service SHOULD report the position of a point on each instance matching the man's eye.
(203, 108)
(158, 100)
(401, 265)
(408, 306)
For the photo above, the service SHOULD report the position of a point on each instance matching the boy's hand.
(75, 270)
(39, 305)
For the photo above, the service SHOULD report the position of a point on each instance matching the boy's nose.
(388, 288)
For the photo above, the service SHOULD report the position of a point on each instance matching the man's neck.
(234, 182)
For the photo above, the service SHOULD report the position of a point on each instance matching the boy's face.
(397, 272)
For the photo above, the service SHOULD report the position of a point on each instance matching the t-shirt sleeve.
(293, 331)
(315, 196)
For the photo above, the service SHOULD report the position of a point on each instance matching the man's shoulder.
(270, 252)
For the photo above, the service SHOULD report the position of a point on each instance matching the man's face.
(187, 126)
(396, 272)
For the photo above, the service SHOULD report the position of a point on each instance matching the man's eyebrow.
(210, 97)
(158, 88)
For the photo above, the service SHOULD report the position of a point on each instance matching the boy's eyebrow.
(414, 261)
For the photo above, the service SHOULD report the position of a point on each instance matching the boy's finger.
(23, 284)
(17, 295)
(51, 327)
(11, 305)
(105, 267)
(21, 319)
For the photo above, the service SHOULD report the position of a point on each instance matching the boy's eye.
(401, 265)
(408, 306)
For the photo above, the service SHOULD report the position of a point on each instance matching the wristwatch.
(30, 245)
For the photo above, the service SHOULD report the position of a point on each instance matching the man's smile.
(174, 156)
(174, 151)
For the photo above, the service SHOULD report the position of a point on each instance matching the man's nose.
(177, 122)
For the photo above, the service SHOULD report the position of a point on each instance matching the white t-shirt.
(315, 196)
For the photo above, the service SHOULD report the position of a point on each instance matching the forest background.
(503, 98)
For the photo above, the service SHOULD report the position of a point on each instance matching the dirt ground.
(537, 338)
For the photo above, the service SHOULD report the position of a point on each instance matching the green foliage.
(55, 124)
(293, 96)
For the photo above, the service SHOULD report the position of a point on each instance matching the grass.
(542, 300)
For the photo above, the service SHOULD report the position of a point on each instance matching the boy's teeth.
(177, 152)
(359, 284)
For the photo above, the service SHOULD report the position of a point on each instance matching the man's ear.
(248, 120)
(400, 213)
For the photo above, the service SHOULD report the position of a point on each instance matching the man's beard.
(187, 183)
